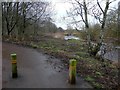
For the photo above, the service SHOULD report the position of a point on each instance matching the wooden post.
(14, 66)
(72, 71)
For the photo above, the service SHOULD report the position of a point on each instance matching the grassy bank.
(99, 74)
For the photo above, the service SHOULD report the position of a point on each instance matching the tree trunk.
(87, 27)
(118, 21)
(103, 27)
(24, 20)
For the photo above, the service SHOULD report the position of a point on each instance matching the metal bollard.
(14, 66)
(72, 71)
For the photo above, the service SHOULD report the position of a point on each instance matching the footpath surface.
(0, 65)
(34, 71)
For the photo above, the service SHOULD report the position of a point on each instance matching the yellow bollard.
(14, 66)
(72, 71)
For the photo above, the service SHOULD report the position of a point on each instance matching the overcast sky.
(61, 6)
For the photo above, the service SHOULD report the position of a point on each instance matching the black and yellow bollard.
(72, 71)
(14, 66)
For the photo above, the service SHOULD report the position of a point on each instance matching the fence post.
(14, 66)
(72, 71)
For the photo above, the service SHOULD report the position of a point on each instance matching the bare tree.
(80, 9)
(21, 14)
(103, 19)
(101, 15)
(118, 20)
(36, 12)
(10, 13)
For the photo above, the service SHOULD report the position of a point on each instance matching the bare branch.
(100, 6)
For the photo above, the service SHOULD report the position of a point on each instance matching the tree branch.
(100, 6)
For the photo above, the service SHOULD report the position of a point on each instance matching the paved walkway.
(0, 65)
(34, 70)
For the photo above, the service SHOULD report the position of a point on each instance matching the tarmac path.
(33, 70)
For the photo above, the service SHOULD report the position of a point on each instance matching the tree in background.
(94, 8)
(80, 9)
(18, 16)
(10, 15)
(111, 25)
(118, 19)
(101, 15)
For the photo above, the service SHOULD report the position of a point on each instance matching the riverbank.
(99, 74)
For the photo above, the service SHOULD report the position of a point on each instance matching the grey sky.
(61, 6)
